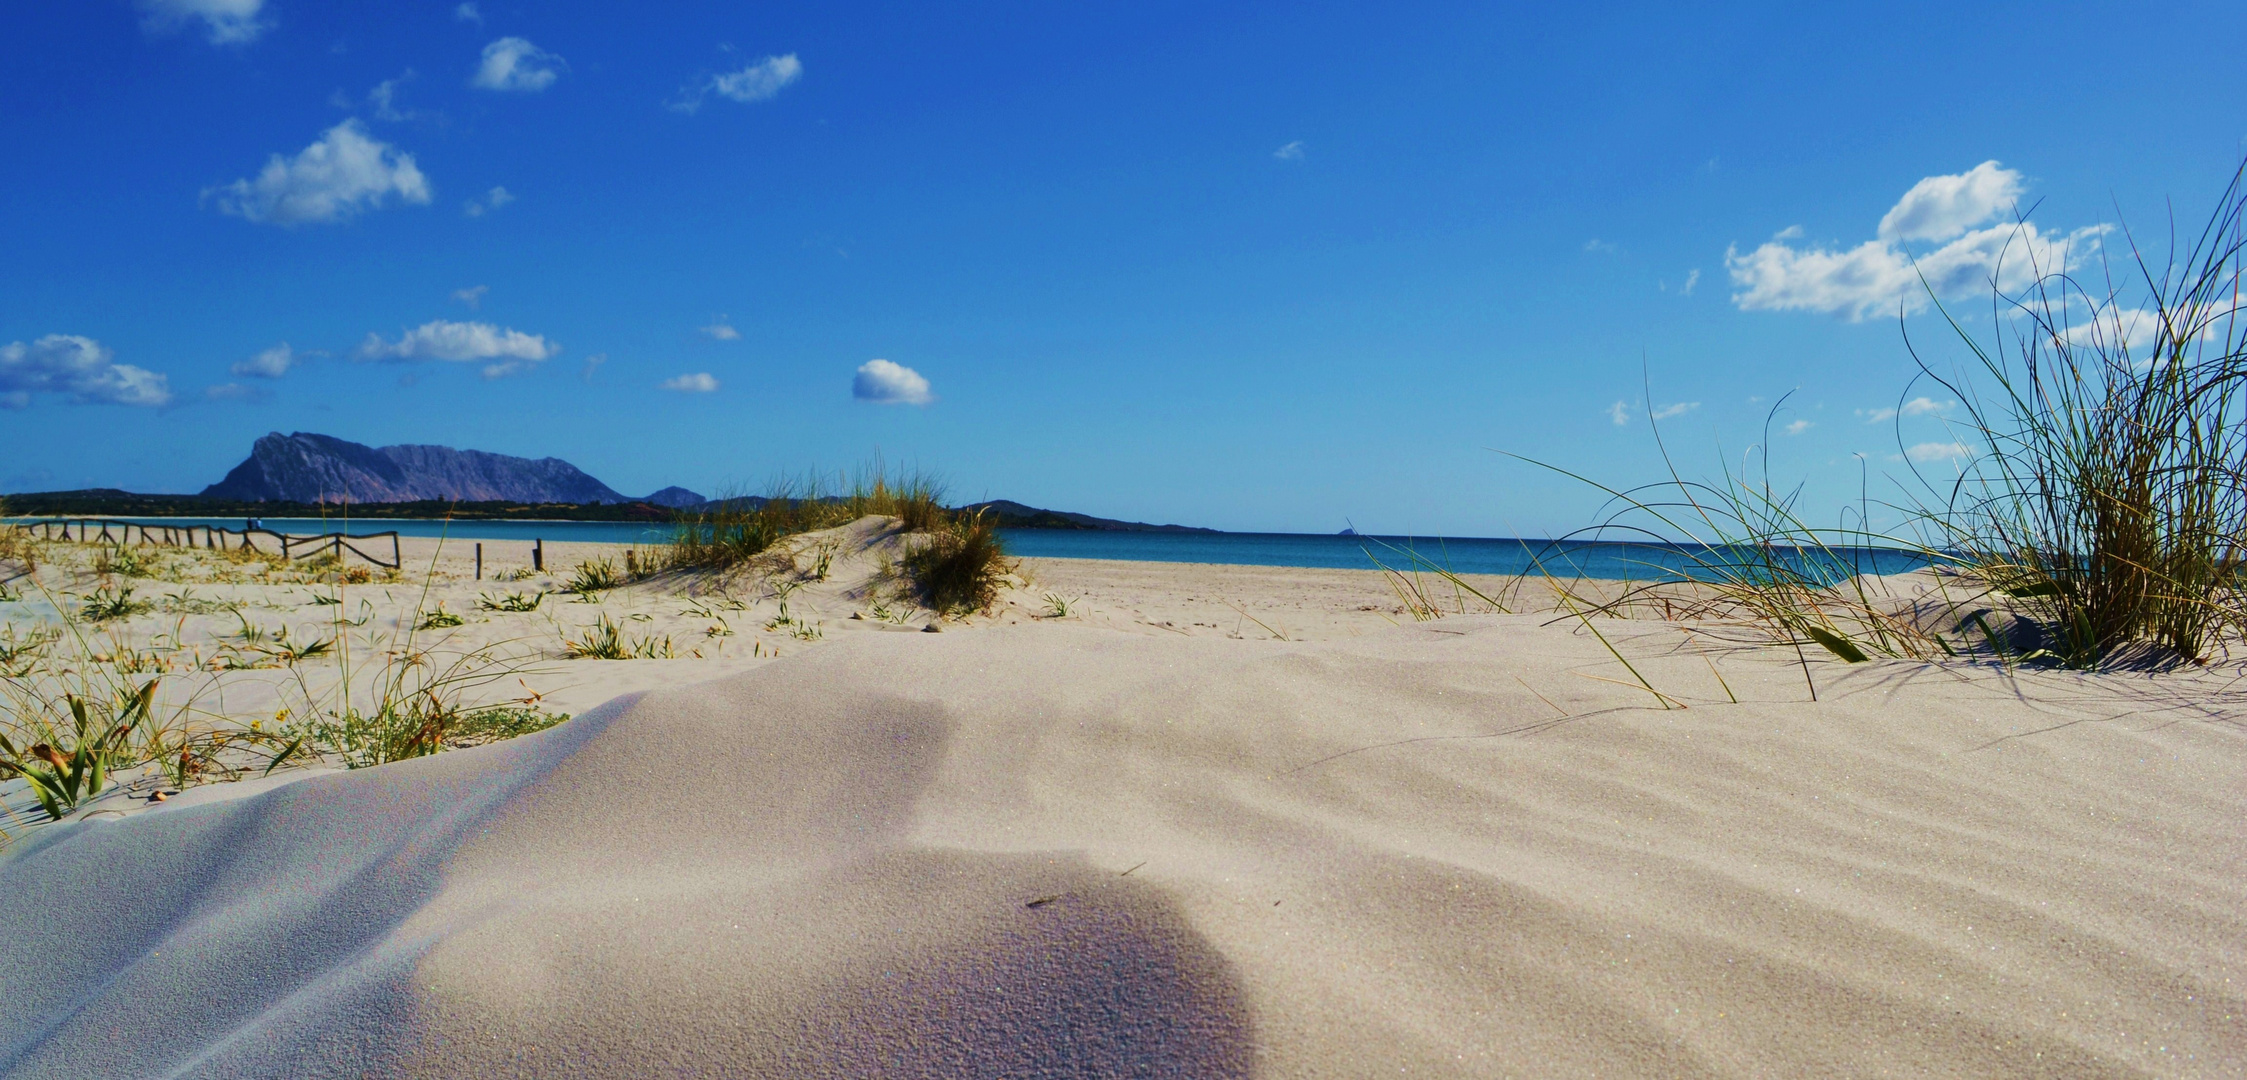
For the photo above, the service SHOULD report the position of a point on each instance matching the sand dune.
(1049, 850)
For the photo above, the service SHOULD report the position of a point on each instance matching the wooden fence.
(215, 538)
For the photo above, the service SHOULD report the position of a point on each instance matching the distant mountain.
(1009, 514)
(308, 468)
(677, 498)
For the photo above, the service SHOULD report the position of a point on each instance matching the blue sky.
(1271, 267)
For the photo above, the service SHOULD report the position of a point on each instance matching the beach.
(1154, 819)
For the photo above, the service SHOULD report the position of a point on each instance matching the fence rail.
(216, 538)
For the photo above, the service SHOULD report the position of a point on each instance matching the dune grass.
(2100, 510)
(734, 530)
(960, 568)
(84, 704)
(593, 576)
(955, 562)
(605, 640)
(2108, 424)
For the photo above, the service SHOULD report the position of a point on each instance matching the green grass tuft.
(2105, 498)
(960, 568)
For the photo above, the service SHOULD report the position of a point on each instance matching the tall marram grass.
(2106, 496)
(2101, 495)
(959, 569)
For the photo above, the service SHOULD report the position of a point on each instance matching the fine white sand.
(1102, 846)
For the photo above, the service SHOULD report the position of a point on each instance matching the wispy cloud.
(269, 364)
(1597, 246)
(1692, 278)
(1918, 406)
(515, 65)
(234, 392)
(511, 351)
(1291, 152)
(473, 296)
(1881, 276)
(383, 99)
(890, 384)
(80, 368)
(1930, 452)
(1674, 409)
(342, 174)
(1798, 427)
(492, 200)
(720, 330)
(701, 382)
(225, 22)
(761, 81)
(592, 364)
(467, 13)
(1620, 412)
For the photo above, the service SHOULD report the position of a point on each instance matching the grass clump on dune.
(605, 640)
(2105, 499)
(954, 562)
(960, 568)
(732, 531)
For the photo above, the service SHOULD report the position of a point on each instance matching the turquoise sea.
(1468, 555)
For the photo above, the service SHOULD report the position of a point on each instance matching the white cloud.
(1880, 277)
(269, 364)
(890, 384)
(384, 98)
(1620, 413)
(1675, 408)
(78, 366)
(1918, 406)
(1877, 278)
(1942, 207)
(721, 331)
(701, 382)
(228, 22)
(760, 81)
(234, 392)
(2134, 331)
(512, 63)
(1798, 427)
(340, 175)
(492, 200)
(1692, 278)
(473, 296)
(463, 342)
(592, 364)
(468, 13)
(1291, 152)
(1929, 452)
